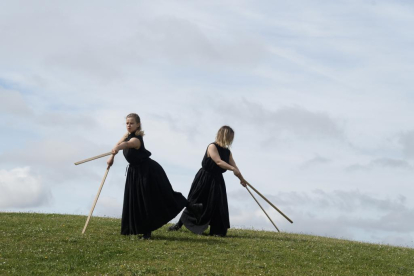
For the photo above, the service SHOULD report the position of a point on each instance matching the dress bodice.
(209, 165)
(136, 156)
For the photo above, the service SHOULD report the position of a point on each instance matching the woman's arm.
(233, 163)
(122, 139)
(212, 152)
(134, 143)
(121, 145)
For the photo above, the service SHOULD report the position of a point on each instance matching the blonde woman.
(209, 188)
(149, 199)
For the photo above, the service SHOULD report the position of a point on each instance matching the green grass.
(52, 244)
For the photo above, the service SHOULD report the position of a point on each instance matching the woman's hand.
(243, 182)
(115, 150)
(110, 161)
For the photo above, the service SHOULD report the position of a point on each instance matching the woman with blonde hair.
(149, 199)
(209, 188)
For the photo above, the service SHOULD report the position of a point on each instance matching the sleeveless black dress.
(149, 199)
(209, 188)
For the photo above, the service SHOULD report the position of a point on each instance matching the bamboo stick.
(263, 210)
(96, 200)
(271, 204)
(93, 158)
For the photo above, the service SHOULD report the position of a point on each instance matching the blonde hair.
(139, 131)
(225, 136)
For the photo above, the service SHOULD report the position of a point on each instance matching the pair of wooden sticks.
(106, 173)
(271, 204)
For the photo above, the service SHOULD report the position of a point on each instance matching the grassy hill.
(51, 244)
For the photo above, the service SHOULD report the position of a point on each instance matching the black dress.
(149, 200)
(209, 189)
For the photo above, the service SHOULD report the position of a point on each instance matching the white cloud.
(13, 103)
(318, 160)
(407, 142)
(295, 120)
(64, 119)
(20, 188)
(382, 163)
(339, 214)
(109, 206)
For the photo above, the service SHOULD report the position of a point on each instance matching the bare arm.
(134, 143)
(121, 145)
(233, 163)
(213, 153)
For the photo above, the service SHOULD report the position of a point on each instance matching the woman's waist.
(213, 171)
(138, 162)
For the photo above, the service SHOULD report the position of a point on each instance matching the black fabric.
(149, 199)
(209, 189)
(134, 156)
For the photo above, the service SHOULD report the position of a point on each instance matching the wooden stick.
(93, 158)
(269, 202)
(96, 200)
(263, 210)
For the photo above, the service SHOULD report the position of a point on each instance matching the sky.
(319, 93)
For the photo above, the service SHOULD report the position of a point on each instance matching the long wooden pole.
(271, 204)
(96, 200)
(93, 158)
(263, 210)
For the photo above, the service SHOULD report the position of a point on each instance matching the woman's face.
(131, 125)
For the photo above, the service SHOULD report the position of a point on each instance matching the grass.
(52, 244)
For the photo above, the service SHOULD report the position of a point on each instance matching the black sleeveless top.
(136, 156)
(209, 165)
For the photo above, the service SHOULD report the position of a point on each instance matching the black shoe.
(146, 236)
(175, 227)
(197, 210)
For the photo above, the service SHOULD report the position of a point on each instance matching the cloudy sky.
(319, 93)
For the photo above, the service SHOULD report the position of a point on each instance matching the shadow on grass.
(188, 239)
(232, 235)
(182, 236)
(258, 237)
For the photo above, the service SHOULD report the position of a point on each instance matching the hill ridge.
(52, 244)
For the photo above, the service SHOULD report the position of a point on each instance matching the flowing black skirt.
(149, 199)
(209, 189)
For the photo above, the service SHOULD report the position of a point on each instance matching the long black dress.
(149, 200)
(209, 189)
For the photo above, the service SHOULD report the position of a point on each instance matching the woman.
(209, 188)
(149, 200)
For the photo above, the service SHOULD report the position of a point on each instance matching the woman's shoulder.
(135, 135)
(213, 145)
(139, 137)
(218, 146)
